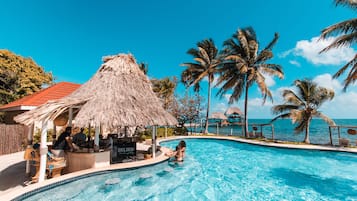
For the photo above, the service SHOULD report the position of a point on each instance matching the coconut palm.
(301, 106)
(347, 35)
(245, 65)
(207, 59)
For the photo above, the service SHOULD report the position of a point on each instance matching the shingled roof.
(53, 92)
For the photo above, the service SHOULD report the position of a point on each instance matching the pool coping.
(267, 143)
(18, 193)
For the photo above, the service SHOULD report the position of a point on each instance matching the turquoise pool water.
(224, 170)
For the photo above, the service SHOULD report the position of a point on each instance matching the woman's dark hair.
(182, 143)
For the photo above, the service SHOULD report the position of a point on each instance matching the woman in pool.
(179, 153)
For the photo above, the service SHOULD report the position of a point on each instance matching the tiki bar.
(113, 106)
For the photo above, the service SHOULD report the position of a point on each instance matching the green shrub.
(37, 136)
(180, 131)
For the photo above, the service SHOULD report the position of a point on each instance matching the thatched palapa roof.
(218, 115)
(233, 111)
(119, 94)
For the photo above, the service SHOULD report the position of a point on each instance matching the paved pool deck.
(12, 166)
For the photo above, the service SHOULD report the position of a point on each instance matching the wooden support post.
(96, 138)
(70, 117)
(339, 133)
(329, 129)
(272, 132)
(43, 152)
(29, 146)
(165, 131)
(154, 132)
(54, 133)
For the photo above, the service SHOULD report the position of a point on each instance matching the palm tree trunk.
(208, 105)
(307, 131)
(245, 130)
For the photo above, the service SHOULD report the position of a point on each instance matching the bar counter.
(81, 160)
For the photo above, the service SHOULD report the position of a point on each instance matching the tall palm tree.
(301, 106)
(207, 59)
(245, 65)
(347, 35)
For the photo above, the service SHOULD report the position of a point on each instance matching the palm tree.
(207, 59)
(303, 105)
(165, 89)
(245, 65)
(348, 35)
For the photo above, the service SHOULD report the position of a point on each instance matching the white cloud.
(310, 50)
(214, 83)
(342, 106)
(219, 107)
(285, 54)
(226, 97)
(344, 103)
(325, 80)
(269, 81)
(295, 63)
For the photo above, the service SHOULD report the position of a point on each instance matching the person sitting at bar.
(80, 138)
(61, 143)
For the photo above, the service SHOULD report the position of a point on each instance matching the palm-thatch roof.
(233, 111)
(119, 94)
(218, 115)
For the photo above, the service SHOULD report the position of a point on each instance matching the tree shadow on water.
(338, 188)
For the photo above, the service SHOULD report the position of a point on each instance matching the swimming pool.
(223, 170)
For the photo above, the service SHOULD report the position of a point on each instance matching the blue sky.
(69, 39)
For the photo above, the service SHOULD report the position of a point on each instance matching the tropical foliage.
(207, 59)
(301, 106)
(244, 65)
(347, 35)
(19, 77)
(165, 89)
(187, 109)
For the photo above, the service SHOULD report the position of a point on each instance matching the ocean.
(284, 130)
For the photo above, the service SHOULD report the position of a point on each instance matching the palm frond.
(272, 69)
(321, 95)
(351, 78)
(253, 49)
(349, 3)
(291, 97)
(260, 80)
(353, 62)
(264, 55)
(297, 115)
(272, 43)
(278, 109)
(281, 116)
(343, 27)
(241, 37)
(343, 40)
(324, 117)
(300, 127)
